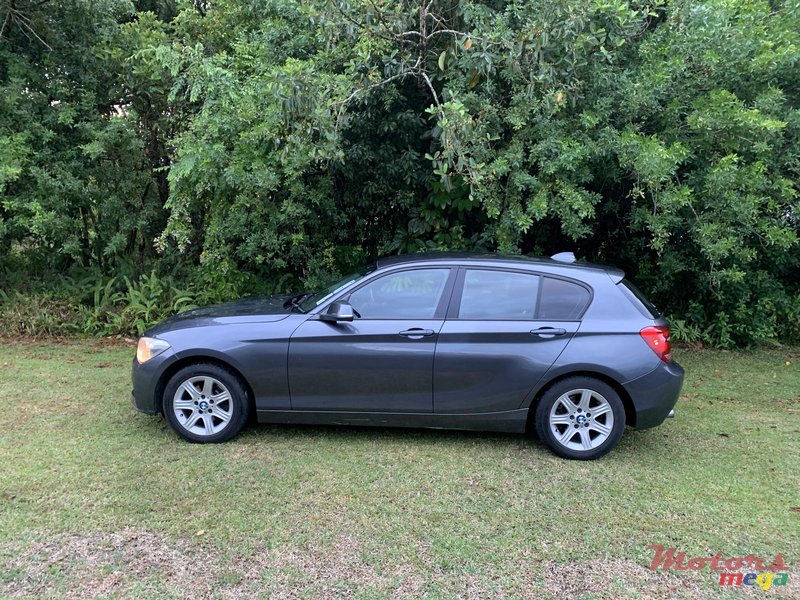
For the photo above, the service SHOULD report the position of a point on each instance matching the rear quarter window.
(562, 300)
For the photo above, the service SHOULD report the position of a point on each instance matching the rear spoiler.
(616, 274)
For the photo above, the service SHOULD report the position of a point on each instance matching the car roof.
(489, 257)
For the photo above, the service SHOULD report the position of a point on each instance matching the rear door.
(503, 331)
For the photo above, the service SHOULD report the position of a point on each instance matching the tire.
(206, 404)
(594, 434)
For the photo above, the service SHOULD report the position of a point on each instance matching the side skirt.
(511, 421)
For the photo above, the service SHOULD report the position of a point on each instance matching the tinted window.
(639, 300)
(316, 299)
(403, 295)
(562, 300)
(498, 295)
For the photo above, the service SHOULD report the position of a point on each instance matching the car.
(567, 350)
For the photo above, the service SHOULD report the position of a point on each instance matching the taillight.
(658, 339)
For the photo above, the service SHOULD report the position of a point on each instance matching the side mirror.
(338, 311)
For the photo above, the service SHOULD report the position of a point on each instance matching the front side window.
(314, 300)
(402, 295)
(562, 300)
(498, 295)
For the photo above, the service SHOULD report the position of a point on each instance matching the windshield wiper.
(294, 301)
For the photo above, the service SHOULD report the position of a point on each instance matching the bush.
(109, 307)
(38, 315)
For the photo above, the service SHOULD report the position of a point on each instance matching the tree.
(76, 185)
(251, 140)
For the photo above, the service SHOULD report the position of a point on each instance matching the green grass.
(97, 500)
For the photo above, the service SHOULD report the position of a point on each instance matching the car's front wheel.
(581, 418)
(206, 403)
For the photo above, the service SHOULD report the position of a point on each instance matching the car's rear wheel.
(581, 418)
(206, 403)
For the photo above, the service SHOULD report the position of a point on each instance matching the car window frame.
(367, 271)
(441, 307)
(458, 291)
(584, 285)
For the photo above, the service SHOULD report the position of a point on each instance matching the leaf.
(442, 58)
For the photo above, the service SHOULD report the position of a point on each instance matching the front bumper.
(145, 378)
(654, 395)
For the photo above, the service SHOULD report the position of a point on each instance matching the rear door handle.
(548, 332)
(417, 333)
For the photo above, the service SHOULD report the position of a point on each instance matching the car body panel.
(260, 309)
(487, 366)
(512, 421)
(365, 365)
(145, 379)
(257, 350)
(655, 394)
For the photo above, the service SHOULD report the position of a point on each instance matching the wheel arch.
(197, 359)
(627, 402)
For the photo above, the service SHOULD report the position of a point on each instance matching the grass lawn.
(98, 500)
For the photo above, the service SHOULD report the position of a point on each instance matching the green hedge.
(157, 155)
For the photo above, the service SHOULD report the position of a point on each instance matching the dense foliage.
(155, 154)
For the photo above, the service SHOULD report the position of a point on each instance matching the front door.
(382, 361)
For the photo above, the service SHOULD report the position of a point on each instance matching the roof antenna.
(565, 257)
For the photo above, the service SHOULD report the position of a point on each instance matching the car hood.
(258, 305)
(261, 309)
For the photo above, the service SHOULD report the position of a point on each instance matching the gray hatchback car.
(568, 350)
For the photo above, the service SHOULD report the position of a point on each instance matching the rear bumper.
(654, 395)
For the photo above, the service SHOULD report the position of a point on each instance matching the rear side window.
(639, 300)
(562, 300)
(498, 295)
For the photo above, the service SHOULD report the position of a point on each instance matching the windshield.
(318, 298)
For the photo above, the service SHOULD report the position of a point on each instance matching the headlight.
(148, 348)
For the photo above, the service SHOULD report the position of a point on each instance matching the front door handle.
(548, 332)
(416, 333)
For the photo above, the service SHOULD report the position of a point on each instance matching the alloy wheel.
(581, 419)
(203, 405)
